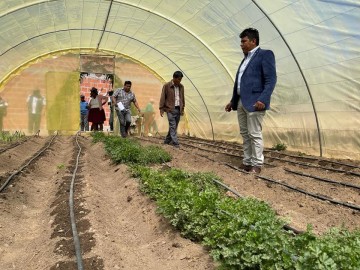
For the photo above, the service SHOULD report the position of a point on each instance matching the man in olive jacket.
(172, 101)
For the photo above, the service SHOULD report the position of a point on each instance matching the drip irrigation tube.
(202, 141)
(26, 164)
(315, 166)
(13, 145)
(286, 227)
(316, 159)
(340, 163)
(322, 179)
(217, 152)
(322, 197)
(72, 213)
(228, 188)
(9, 147)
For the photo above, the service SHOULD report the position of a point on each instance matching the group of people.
(254, 84)
(120, 100)
(93, 111)
(35, 103)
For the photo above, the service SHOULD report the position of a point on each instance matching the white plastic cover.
(316, 103)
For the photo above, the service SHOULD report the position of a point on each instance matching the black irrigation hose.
(324, 198)
(352, 206)
(321, 197)
(322, 179)
(340, 163)
(26, 164)
(228, 188)
(212, 151)
(223, 153)
(294, 156)
(10, 147)
(315, 166)
(315, 159)
(286, 227)
(72, 213)
(13, 145)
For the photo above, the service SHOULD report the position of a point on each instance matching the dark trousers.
(111, 118)
(125, 121)
(174, 119)
(84, 124)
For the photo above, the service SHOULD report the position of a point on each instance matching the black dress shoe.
(246, 168)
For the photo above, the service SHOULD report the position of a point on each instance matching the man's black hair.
(127, 82)
(251, 33)
(178, 74)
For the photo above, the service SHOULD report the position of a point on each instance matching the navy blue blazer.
(257, 82)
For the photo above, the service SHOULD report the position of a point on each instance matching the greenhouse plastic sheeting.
(315, 105)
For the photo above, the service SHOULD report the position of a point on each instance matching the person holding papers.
(122, 99)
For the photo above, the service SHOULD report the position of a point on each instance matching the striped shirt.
(125, 97)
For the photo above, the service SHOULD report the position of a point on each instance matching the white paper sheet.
(120, 106)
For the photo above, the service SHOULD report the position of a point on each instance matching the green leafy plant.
(279, 147)
(240, 233)
(9, 137)
(243, 233)
(130, 151)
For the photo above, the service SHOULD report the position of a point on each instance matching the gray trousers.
(124, 121)
(34, 123)
(84, 123)
(174, 119)
(250, 124)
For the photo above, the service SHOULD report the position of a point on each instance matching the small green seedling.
(61, 166)
(279, 147)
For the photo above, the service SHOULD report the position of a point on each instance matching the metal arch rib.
(178, 25)
(26, 6)
(195, 37)
(105, 24)
(120, 34)
(159, 15)
(301, 72)
(137, 7)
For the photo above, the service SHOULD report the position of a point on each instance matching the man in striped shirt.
(122, 99)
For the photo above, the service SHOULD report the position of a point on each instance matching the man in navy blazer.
(254, 84)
